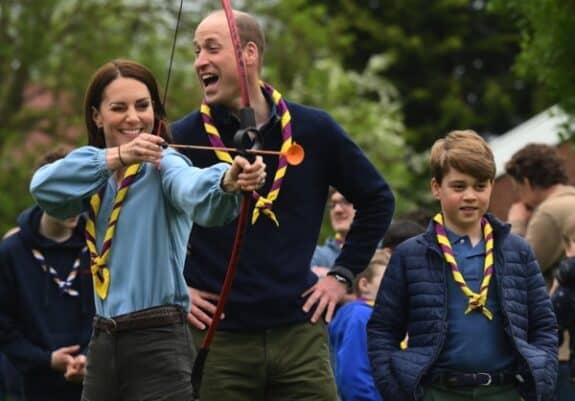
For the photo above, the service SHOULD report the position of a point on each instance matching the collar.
(228, 122)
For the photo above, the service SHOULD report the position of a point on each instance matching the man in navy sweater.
(272, 343)
(46, 304)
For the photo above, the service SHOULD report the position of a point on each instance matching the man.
(272, 344)
(46, 303)
(341, 213)
(545, 202)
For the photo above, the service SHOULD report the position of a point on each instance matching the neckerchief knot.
(65, 286)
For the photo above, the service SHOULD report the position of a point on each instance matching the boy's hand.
(62, 357)
(77, 370)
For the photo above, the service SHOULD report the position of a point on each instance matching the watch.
(341, 279)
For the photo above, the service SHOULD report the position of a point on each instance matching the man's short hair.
(540, 164)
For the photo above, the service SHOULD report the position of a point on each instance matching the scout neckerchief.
(99, 261)
(65, 286)
(263, 203)
(476, 300)
(339, 240)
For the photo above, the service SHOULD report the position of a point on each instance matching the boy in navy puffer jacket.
(468, 293)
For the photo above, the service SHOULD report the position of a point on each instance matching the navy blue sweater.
(35, 318)
(273, 269)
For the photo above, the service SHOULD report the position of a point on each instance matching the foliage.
(547, 52)
(367, 107)
(49, 49)
(59, 43)
(451, 62)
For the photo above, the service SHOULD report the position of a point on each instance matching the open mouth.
(209, 79)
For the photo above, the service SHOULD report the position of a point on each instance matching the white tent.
(544, 127)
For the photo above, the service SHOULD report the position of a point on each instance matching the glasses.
(343, 203)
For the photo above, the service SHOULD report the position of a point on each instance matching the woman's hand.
(143, 148)
(244, 176)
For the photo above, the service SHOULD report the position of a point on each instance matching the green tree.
(368, 108)
(59, 43)
(451, 62)
(48, 50)
(547, 52)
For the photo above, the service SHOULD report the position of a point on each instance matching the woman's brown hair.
(100, 81)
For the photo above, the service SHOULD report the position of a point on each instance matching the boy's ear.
(361, 284)
(435, 188)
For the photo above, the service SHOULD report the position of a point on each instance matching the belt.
(143, 319)
(451, 379)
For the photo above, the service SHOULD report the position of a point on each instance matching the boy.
(348, 339)
(469, 293)
(46, 302)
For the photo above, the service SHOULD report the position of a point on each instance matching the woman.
(141, 201)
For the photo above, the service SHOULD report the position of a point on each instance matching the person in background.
(341, 214)
(545, 202)
(470, 295)
(273, 344)
(142, 201)
(348, 336)
(46, 302)
(400, 230)
(563, 298)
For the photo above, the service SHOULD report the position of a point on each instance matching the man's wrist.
(342, 275)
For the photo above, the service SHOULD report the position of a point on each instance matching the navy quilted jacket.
(412, 299)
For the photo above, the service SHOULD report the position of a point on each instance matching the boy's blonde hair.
(464, 151)
(379, 260)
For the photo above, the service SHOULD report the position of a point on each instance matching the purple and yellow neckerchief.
(263, 203)
(339, 240)
(65, 286)
(476, 300)
(99, 261)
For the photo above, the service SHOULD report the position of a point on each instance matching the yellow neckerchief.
(476, 300)
(263, 203)
(99, 261)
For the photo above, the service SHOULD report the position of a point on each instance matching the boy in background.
(46, 302)
(348, 337)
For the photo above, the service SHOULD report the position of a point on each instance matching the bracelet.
(120, 157)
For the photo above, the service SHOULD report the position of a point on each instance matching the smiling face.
(125, 111)
(215, 64)
(341, 213)
(464, 200)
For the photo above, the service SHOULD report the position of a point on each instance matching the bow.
(170, 64)
(247, 127)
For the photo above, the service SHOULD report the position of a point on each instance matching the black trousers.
(152, 364)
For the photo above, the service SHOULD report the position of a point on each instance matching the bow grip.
(248, 136)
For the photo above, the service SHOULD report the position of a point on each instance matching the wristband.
(120, 157)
